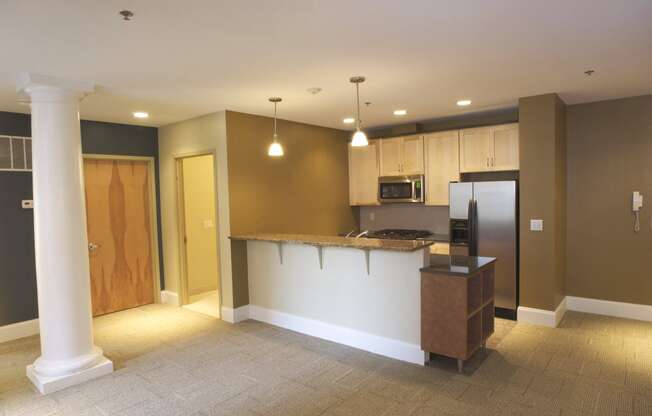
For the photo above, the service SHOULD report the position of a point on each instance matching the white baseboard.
(18, 330)
(169, 298)
(399, 350)
(235, 315)
(610, 308)
(541, 316)
(48, 384)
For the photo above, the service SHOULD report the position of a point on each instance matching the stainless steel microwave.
(401, 189)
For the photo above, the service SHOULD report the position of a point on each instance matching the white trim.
(610, 308)
(18, 330)
(541, 316)
(399, 350)
(235, 315)
(50, 384)
(169, 298)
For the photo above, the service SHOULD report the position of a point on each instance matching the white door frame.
(154, 233)
(181, 225)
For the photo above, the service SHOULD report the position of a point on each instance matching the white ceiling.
(180, 59)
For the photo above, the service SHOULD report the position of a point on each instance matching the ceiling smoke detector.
(589, 72)
(126, 14)
(314, 90)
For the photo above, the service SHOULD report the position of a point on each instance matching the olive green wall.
(305, 192)
(542, 196)
(609, 157)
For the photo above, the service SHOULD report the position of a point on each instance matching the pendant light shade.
(359, 137)
(275, 149)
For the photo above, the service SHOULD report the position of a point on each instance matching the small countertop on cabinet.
(457, 265)
(335, 241)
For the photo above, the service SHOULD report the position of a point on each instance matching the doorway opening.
(200, 279)
(122, 232)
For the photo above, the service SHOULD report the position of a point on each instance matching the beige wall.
(609, 157)
(199, 135)
(305, 191)
(200, 223)
(542, 196)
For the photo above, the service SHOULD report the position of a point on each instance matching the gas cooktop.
(398, 234)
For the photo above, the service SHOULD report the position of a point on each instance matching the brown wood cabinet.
(457, 305)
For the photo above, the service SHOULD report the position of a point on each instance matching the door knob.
(92, 247)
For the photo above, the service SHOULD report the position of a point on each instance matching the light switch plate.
(372, 216)
(27, 204)
(536, 225)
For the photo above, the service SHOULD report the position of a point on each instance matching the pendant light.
(275, 149)
(359, 138)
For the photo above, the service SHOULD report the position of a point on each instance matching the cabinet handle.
(487, 162)
(493, 162)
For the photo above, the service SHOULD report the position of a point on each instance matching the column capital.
(37, 87)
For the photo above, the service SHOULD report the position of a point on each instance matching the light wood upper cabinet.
(412, 155)
(390, 156)
(486, 149)
(442, 165)
(363, 174)
(476, 149)
(401, 156)
(505, 147)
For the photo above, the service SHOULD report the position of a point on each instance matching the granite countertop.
(334, 241)
(457, 265)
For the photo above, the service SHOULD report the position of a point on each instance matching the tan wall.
(609, 157)
(541, 188)
(200, 224)
(305, 191)
(198, 135)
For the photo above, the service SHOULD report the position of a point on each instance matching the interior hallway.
(207, 303)
(172, 361)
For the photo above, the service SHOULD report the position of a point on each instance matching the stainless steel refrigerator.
(484, 222)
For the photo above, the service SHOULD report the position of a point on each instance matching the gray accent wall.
(18, 301)
(407, 216)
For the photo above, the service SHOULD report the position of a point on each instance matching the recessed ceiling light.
(141, 114)
(463, 103)
(400, 112)
(348, 120)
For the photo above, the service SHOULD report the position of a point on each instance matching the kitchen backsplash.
(407, 216)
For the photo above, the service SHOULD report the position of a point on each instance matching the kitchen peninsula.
(362, 292)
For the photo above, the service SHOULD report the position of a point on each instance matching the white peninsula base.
(328, 292)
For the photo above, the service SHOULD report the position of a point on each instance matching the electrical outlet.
(536, 225)
(27, 204)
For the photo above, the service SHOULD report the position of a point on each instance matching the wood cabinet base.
(457, 313)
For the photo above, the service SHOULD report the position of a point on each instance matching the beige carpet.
(172, 361)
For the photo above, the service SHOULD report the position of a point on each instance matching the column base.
(50, 384)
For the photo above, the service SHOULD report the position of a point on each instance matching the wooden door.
(390, 156)
(412, 152)
(506, 152)
(363, 174)
(119, 227)
(476, 149)
(442, 165)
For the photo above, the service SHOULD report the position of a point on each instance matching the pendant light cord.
(357, 93)
(275, 120)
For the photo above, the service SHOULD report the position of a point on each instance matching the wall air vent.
(15, 154)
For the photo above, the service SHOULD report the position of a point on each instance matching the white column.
(68, 355)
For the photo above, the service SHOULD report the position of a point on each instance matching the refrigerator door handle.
(473, 227)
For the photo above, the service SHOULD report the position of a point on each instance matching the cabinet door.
(390, 156)
(442, 165)
(412, 155)
(505, 147)
(363, 174)
(476, 149)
